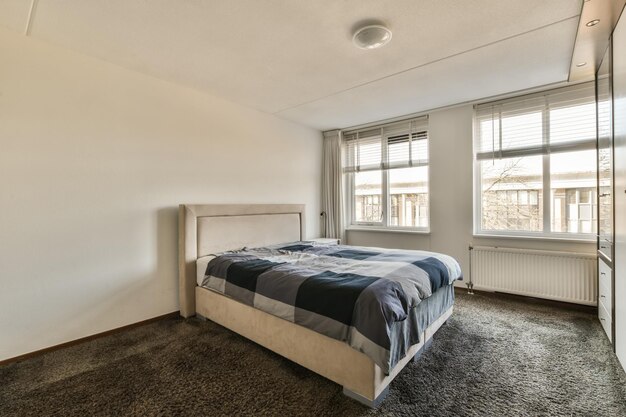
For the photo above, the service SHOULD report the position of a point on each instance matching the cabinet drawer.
(605, 298)
(606, 248)
(604, 275)
(605, 320)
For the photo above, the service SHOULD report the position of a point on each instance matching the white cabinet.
(606, 235)
(619, 158)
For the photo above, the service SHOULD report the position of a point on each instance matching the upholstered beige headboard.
(204, 229)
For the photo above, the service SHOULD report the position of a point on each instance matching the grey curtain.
(332, 186)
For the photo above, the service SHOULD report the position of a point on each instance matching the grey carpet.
(496, 357)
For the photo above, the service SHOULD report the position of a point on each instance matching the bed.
(207, 230)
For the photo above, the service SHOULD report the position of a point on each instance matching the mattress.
(201, 264)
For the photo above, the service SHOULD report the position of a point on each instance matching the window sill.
(386, 230)
(542, 238)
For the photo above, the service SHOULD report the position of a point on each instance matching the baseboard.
(87, 338)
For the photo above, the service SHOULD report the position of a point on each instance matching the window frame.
(384, 224)
(546, 193)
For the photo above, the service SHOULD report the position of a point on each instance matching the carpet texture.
(496, 357)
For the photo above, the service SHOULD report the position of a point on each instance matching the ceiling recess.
(597, 20)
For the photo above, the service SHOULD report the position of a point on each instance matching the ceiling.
(295, 58)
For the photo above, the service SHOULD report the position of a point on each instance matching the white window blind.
(561, 120)
(394, 145)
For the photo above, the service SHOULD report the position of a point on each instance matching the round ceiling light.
(371, 37)
(581, 64)
(593, 22)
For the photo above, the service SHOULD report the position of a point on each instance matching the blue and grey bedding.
(366, 297)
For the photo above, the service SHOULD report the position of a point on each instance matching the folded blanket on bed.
(358, 295)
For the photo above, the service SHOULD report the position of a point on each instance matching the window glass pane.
(573, 190)
(398, 149)
(523, 197)
(488, 136)
(511, 192)
(522, 131)
(584, 212)
(573, 123)
(519, 131)
(369, 153)
(368, 197)
(419, 151)
(408, 192)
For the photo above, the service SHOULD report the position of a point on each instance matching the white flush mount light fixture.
(593, 22)
(371, 37)
(581, 64)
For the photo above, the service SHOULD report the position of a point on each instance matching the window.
(386, 171)
(535, 164)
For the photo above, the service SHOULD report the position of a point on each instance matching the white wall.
(451, 198)
(94, 160)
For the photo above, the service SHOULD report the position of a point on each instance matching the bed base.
(424, 348)
(210, 228)
(381, 397)
(366, 401)
(360, 377)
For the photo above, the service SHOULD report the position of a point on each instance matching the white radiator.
(561, 276)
